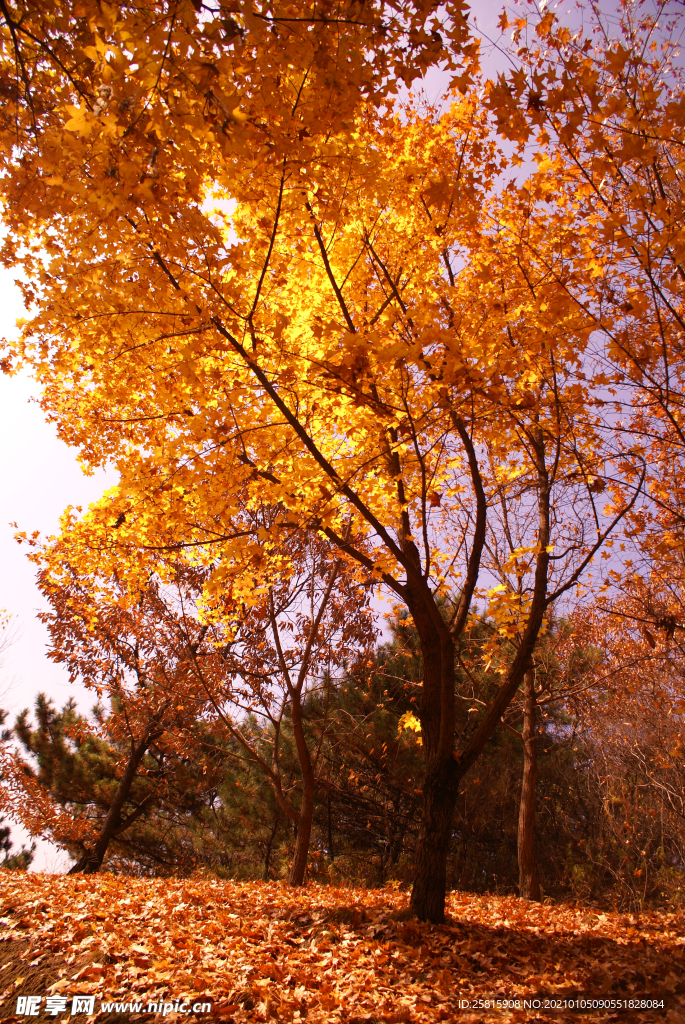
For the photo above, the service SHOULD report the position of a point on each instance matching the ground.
(263, 951)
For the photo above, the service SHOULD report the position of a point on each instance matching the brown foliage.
(263, 951)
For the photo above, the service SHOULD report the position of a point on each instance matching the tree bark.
(529, 877)
(298, 867)
(267, 858)
(444, 766)
(91, 861)
(430, 860)
(330, 828)
(436, 713)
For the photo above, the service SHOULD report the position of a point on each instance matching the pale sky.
(39, 477)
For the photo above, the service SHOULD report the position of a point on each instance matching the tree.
(605, 108)
(174, 661)
(456, 402)
(278, 662)
(369, 805)
(383, 339)
(563, 670)
(23, 857)
(630, 716)
(136, 817)
(529, 875)
(135, 647)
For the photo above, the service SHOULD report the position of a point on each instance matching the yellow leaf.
(408, 721)
(81, 123)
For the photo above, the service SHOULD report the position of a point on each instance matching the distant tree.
(631, 735)
(23, 858)
(369, 799)
(129, 645)
(76, 764)
(295, 634)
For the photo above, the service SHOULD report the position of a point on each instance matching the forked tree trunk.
(91, 861)
(529, 877)
(444, 767)
(298, 867)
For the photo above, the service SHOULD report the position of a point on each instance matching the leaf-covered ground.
(262, 951)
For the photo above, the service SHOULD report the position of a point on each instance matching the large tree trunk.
(91, 861)
(529, 878)
(437, 709)
(298, 867)
(430, 861)
(437, 715)
(445, 768)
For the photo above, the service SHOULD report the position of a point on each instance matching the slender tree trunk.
(330, 828)
(529, 878)
(298, 866)
(91, 861)
(267, 858)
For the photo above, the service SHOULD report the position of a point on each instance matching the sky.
(39, 477)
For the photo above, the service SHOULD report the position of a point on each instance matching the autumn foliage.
(338, 343)
(325, 954)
